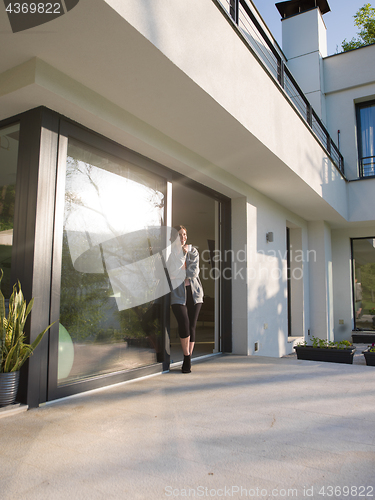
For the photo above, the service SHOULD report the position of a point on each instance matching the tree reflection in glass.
(111, 263)
(9, 142)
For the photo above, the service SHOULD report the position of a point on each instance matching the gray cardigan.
(178, 295)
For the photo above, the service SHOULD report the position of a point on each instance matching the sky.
(339, 22)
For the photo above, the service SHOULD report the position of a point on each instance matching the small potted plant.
(370, 355)
(324, 350)
(13, 349)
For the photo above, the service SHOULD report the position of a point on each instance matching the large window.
(366, 138)
(91, 241)
(364, 283)
(9, 140)
(110, 320)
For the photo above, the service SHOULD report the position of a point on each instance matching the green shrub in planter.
(324, 350)
(14, 351)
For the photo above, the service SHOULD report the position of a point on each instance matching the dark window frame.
(353, 278)
(34, 258)
(70, 129)
(358, 108)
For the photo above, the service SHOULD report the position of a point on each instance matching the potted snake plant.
(14, 351)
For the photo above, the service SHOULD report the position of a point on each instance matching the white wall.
(304, 41)
(362, 200)
(303, 34)
(260, 292)
(298, 272)
(349, 78)
(321, 285)
(240, 218)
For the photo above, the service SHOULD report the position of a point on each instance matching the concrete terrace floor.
(236, 427)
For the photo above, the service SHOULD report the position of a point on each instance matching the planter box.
(329, 354)
(363, 338)
(369, 357)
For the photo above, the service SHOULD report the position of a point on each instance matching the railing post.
(234, 9)
(280, 71)
(309, 114)
(360, 168)
(329, 144)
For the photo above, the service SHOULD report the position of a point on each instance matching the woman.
(187, 293)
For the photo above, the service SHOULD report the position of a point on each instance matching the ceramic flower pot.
(8, 387)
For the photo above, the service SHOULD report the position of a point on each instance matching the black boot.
(186, 365)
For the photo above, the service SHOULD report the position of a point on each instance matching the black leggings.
(187, 316)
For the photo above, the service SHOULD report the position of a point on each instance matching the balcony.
(367, 167)
(198, 100)
(250, 29)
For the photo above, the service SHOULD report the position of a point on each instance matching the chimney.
(304, 43)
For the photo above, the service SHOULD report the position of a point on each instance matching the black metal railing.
(255, 35)
(367, 166)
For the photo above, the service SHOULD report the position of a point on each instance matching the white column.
(321, 290)
(239, 277)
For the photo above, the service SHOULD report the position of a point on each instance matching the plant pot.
(328, 354)
(369, 357)
(363, 338)
(8, 387)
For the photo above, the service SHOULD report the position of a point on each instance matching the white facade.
(305, 58)
(176, 83)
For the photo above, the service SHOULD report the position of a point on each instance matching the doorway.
(198, 212)
(363, 262)
(295, 282)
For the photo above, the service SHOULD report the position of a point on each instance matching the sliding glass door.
(108, 279)
(9, 141)
(363, 259)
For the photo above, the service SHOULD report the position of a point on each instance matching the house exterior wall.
(260, 282)
(212, 84)
(305, 56)
(349, 78)
(182, 89)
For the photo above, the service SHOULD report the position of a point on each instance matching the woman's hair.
(178, 228)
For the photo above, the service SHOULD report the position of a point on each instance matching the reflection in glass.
(366, 138)
(9, 141)
(364, 283)
(112, 276)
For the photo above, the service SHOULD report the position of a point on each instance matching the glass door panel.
(364, 283)
(110, 313)
(9, 141)
(198, 212)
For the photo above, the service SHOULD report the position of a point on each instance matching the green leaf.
(364, 19)
(14, 350)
